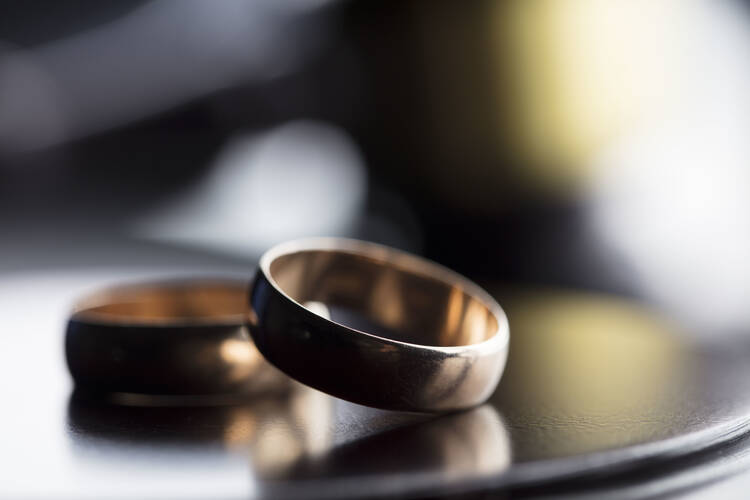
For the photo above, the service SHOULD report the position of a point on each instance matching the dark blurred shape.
(157, 56)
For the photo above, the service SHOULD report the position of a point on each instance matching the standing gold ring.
(434, 341)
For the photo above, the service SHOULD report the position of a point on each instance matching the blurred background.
(582, 143)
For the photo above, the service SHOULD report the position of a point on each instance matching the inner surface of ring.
(385, 298)
(221, 301)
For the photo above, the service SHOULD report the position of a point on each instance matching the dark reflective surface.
(594, 383)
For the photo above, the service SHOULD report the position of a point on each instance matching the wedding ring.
(172, 338)
(377, 326)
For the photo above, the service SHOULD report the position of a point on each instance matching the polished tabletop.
(596, 386)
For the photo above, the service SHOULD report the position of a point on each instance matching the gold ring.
(426, 338)
(171, 338)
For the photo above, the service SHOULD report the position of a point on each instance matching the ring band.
(435, 341)
(172, 338)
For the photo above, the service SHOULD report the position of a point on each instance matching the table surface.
(596, 386)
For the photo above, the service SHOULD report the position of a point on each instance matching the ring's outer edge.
(365, 368)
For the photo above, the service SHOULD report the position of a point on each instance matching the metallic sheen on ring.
(173, 338)
(435, 341)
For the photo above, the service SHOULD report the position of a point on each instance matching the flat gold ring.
(179, 338)
(435, 341)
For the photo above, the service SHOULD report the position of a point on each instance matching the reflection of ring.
(183, 337)
(439, 342)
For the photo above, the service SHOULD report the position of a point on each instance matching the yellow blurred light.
(586, 354)
(584, 72)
